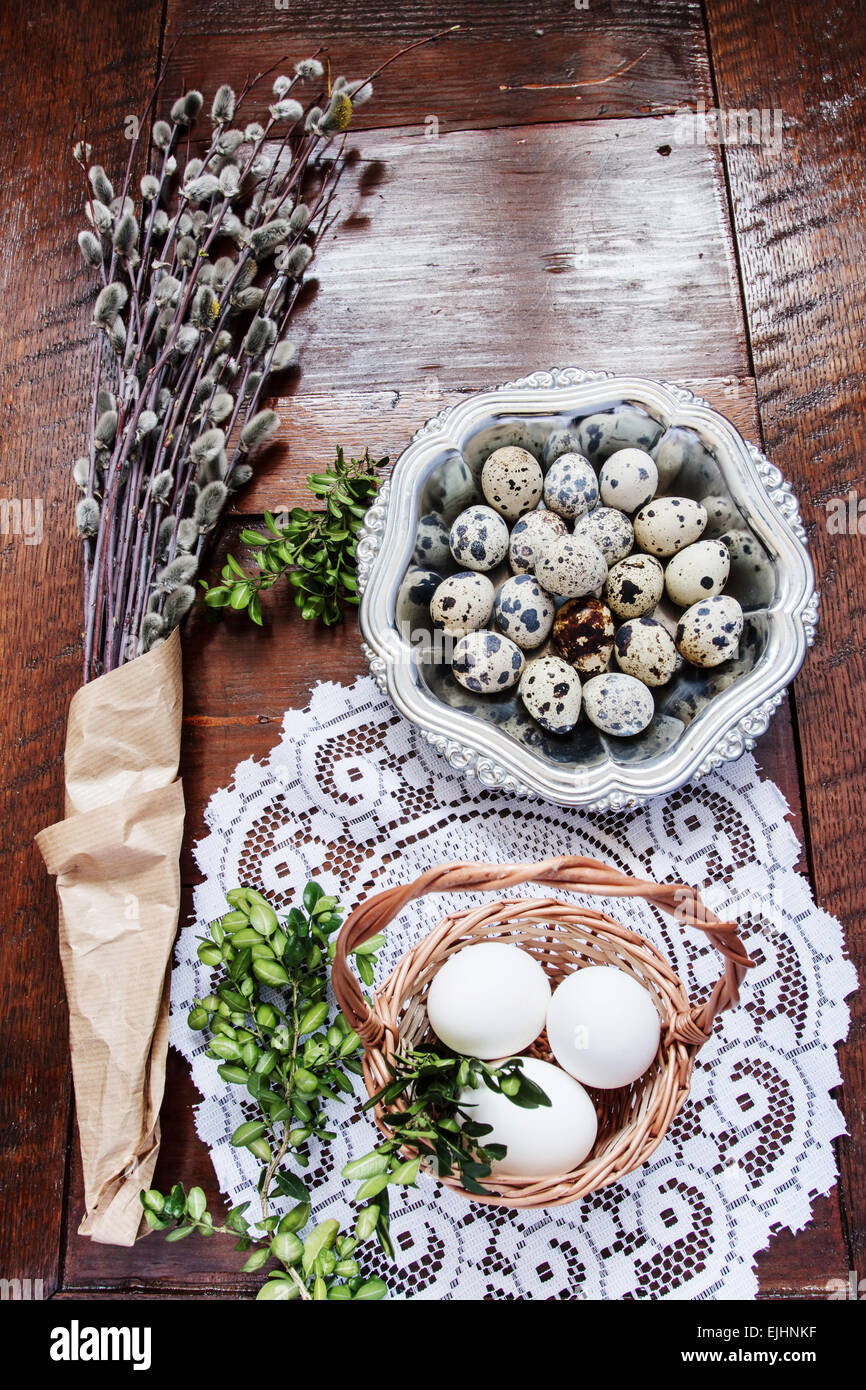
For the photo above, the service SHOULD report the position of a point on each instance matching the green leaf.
(372, 1291)
(369, 1166)
(217, 597)
(277, 1291)
(240, 596)
(196, 1203)
(289, 1185)
(372, 1187)
(245, 1133)
(406, 1174)
(312, 894)
(233, 564)
(321, 1238)
(179, 1233)
(256, 1260)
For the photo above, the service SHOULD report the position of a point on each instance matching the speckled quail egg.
(618, 704)
(571, 567)
(479, 538)
(611, 531)
(412, 606)
(463, 602)
(550, 690)
(487, 662)
(628, 479)
(634, 586)
(749, 560)
(450, 489)
(669, 524)
(559, 442)
(432, 549)
(523, 611)
(529, 534)
(697, 572)
(626, 427)
(722, 515)
(709, 632)
(583, 633)
(644, 649)
(512, 482)
(571, 487)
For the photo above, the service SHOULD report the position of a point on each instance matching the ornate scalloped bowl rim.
(732, 721)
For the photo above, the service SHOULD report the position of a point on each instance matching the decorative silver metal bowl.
(703, 717)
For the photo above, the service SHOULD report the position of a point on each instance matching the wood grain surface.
(798, 213)
(61, 63)
(560, 222)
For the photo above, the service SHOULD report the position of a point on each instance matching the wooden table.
(521, 198)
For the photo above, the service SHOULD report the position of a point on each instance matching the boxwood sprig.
(314, 549)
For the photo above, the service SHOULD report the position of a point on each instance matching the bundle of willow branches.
(199, 267)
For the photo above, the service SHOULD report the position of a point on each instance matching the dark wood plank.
(799, 228)
(509, 65)
(60, 62)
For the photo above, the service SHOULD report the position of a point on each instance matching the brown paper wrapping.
(116, 859)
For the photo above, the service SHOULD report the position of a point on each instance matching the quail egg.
(550, 690)
(559, 442)
(432, 548)
(611, 531)
(463, 602)
(571, 487)
(479, 538)
(628, 479)
(722, 515)
(451, 488)
(669, 524)
(487, 662)
(709, 632)
(618, 704)
(646, 650)
(512, 482)
(412, 606)
(634, 586)
(583, 633)
(697, 572)
(571, 567)
(529, 534)
(626, 427)
(523, 611)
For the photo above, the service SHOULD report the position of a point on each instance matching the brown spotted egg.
(512, 482)
(669, 524)
(634, 586)
(529, 534)
(486, 662)
(709, 632)
(550, 690)
(462, 603)
(583, 633)
(628, 479)
(697, 572)
(618, 704)
(571, 487)
(479, 538)
(571, 567)
(644, 649)
(523, 611)
(611, 531)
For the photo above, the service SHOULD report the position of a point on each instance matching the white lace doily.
(354, 795)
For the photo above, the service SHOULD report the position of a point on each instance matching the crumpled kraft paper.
(116, 859)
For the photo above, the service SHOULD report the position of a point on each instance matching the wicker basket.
(563, 937)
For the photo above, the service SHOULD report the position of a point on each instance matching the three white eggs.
(492, 1000)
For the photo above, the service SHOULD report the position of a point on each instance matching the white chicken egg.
(488, 1000)
(603, 1026)
(549, 1140)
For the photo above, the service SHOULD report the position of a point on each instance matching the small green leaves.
(315, 550)
(293, 1058)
